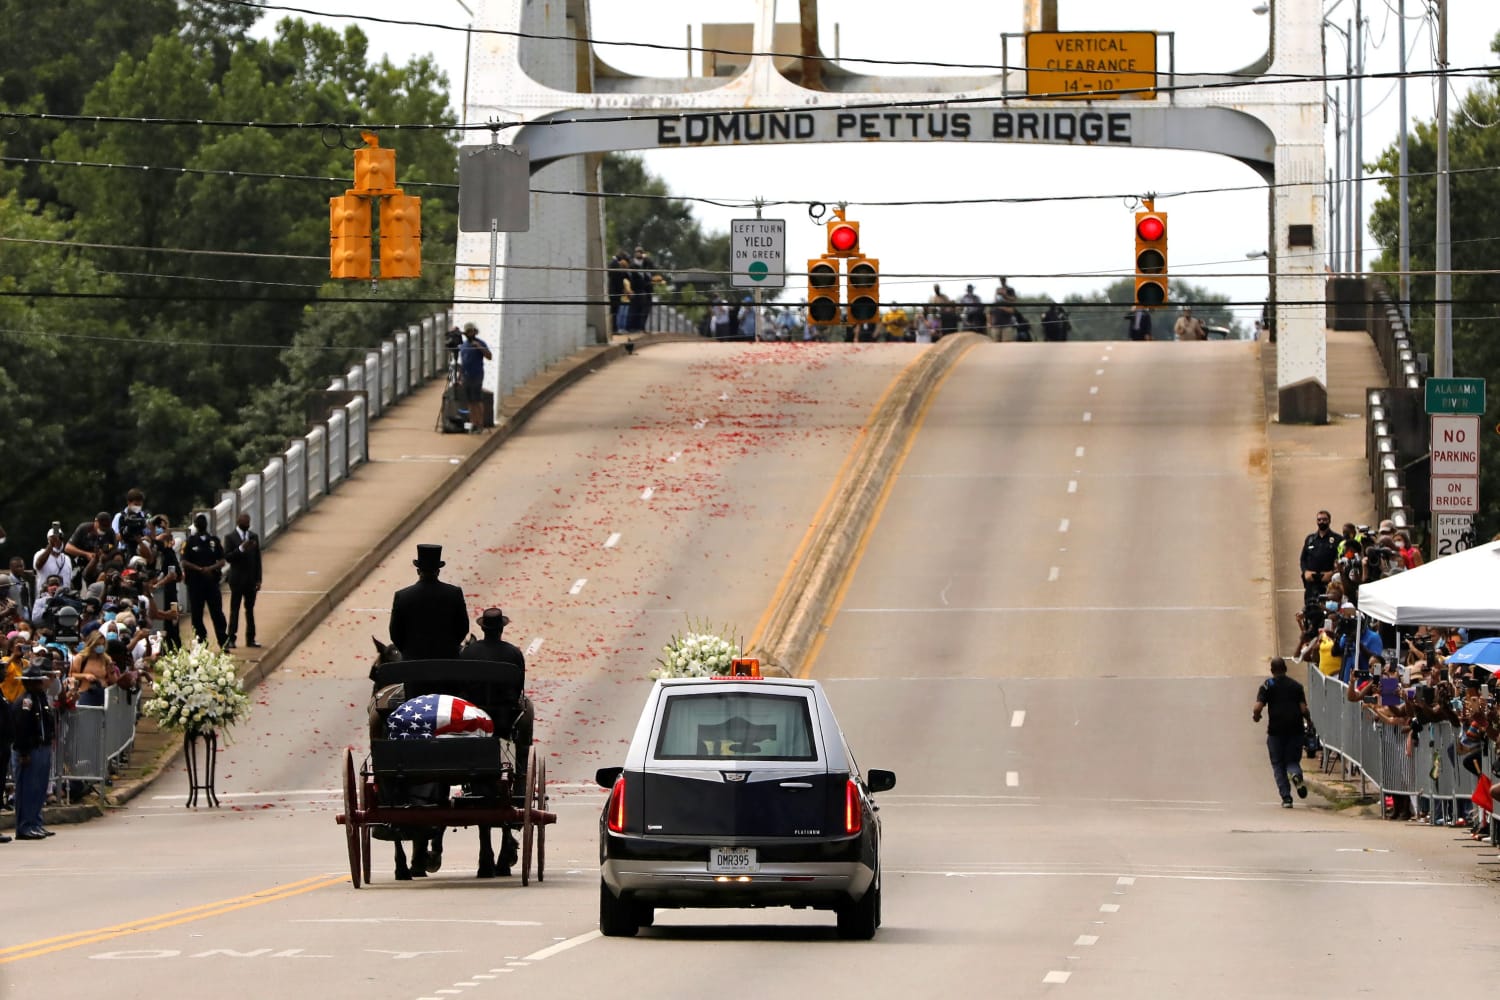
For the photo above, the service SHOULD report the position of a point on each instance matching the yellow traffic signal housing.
(843, 237)
(864, 290)
(400, 236)
(1150, 258)
(822, 291)
(348, 237)
(374, 168)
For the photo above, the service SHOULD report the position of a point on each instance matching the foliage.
(698, 651)
(1103, 315)
(666, 228)
(1474, 194)
(222, 318)
(197, 690)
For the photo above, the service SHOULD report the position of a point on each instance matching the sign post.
(1454, 407)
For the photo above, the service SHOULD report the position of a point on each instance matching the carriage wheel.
(355, 831)
(528, 819)
(541, 828)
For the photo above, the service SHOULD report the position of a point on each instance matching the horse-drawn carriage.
(402, 791)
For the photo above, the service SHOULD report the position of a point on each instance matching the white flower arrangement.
(197, 690)
(697, 652)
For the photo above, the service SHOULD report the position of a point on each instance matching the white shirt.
(55, 565)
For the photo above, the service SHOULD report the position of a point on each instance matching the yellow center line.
(885, 495)
(817, 520)
(47, 946)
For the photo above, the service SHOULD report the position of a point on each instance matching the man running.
(1286, 702)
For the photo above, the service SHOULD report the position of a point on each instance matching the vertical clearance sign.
(758, 253)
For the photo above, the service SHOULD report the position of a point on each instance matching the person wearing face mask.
(1319, 553)
(92, 669)
(129, 525)
(1411, 556)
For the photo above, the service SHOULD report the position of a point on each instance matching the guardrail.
(1426, 766)
(1395, 427)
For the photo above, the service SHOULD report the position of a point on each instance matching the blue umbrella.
(1480, 652)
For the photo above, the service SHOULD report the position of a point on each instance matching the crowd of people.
(1400, 678)
(94, 609)
(1001, 320)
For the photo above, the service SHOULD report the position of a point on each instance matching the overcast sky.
(1209, 232)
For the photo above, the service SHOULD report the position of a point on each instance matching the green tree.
(1103, 315)
(1474, 194)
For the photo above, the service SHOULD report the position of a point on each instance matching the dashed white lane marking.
(648, 493)
(1078, 452)
(698, 425)
(1093, 390)
(612, 540)
(1018, 718)
(562, 946)
(675, 456)
(578, 585)
(264, 795)
(1087, 417)
(1124, 880)
(1052, 574)
(1098, 371)
(535, 645)
(1056, 977)
(1072, 486)
(1084, 940)
(1109, 907)
(1012, 779)
(1062, 525)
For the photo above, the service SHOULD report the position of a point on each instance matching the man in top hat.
(429, 619)
(31, 758)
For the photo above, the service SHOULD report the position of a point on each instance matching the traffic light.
(1150, 257)
(822, 291)
(348, 237)
(843, 237)
(400, 236)
(864, 290)
(374, 168)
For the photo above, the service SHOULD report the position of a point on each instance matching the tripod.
(453, 411)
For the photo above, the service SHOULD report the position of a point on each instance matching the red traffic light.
(1151, 228)
(843, 237)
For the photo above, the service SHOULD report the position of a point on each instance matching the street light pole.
(1359, 140)
(1403, 236)
(1443, 290)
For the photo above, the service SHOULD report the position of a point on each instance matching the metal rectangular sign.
(1455, 446)
(1455, 395)
(1452, 533)
(757, 249)
(1455, 494)
(1091, 64)
(494, 189)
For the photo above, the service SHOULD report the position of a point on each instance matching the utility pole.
(1403, 232)
(1443, 292)
(1350, 226)
(1359, 140)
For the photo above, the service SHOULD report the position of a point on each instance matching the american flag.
(434, 715)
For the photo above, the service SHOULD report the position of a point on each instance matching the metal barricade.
(119, 727)
(83, 757)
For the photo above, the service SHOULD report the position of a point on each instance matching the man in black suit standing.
(429, 619)
(242, 553)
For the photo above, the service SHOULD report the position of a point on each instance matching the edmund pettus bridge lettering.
(746, 127)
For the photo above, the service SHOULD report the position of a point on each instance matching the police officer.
(32, 757)
(203, 562)
(430, 618)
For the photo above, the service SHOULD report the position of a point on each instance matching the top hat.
(429, 557)
(493, 618)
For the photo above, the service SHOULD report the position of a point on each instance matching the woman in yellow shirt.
(16, 648)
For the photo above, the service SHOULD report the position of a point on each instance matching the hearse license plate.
(732, 861)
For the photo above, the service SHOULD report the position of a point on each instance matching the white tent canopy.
(1456, 591)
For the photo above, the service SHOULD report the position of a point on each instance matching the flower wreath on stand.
(699, 651)
(197, 691)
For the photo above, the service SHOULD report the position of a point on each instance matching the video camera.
(61, 617)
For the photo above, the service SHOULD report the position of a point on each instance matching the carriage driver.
(510, 668)
(430, 618)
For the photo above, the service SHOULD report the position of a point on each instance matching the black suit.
(428, 620)
(510, 668)
(244, 580)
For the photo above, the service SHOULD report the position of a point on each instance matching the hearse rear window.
(736, 725)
